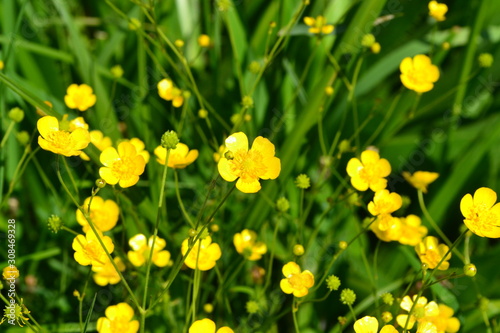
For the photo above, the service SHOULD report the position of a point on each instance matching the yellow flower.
(123, 166)
(387, 228)
(296, 281)
(141, 251)
(420, 310)
(118, 320)
(248, 165)
(437, 10)
(59, 141)
(426, 327)
(369, 172)
(169, 92)
(420, 179)
(412, 230)
(203, 255)
(78, 122)
(204, 40)
(98, 139)
(482, 215)
(418, 74)
(107, 274)
(318, 25)
(207, 326)
(89, 251)
(384, 202)
(370, 325)
(10, 273)
(79, 97)
(140, 147)
(179, 158)
(444, 322)
(246, 244)
(103, 213)
(431, 252)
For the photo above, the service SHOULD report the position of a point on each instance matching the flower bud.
(303, 181)
(55, 223)
(16, 114)
(332, 282)
(470, 270)
(117, 71)
(298, 250)
(282, 205)
(100, 183)
(347, 296)
(169, 140)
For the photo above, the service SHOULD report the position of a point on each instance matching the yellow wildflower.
(431, 252)
(296, 281)
(79, 97)
(444, 321)
(426, 327)
(369, 172)
(204, 40)
(418, 73)
(98, 139)
(318, 25)
(140, 147)
(420, 179)
(10, 272)
(88, 250)
(420, 310)
(481, 213)
(369, 324)
(375, 48)
(103, 213)
(203, 255)
(437, 10)
(384, 202)
(412, 230)
(179, 158)
(207, 326)
(59, 141)
(169, 92)
(123, 166)
(246, 244)
(118, 320)
(107, 274)
(141, 251)
(387, 228)
(248, 165)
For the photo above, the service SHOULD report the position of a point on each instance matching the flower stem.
(294, 315)
(183, 209)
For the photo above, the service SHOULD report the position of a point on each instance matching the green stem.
(7, 134)
(68, 170)
(183, 209)
(294, 315)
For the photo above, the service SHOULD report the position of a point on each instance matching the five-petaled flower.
(318, 25)
(118, 320)
(203, 254)
(103, 213)
(107, 274)
(248, 166)
(419, 311)
(296, 281)
(207, 326)
(384, 202)
(418, 73)
(437, 10)
(369, 324)
(79, 97)
(60, 141)
(369, 172)
(179, 158)
(123, 166)
(169, 92)
(88, 249)
(142, 248)
(431, 253)
(246, 244)
(482, 214)
(420, 179)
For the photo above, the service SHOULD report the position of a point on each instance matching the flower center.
(93, 250)
(119, 324)
(123, 168)
(248, 165)
(60, 139)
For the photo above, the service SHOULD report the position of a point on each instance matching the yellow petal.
(286, 287)
(310, 21)
(225, 170)
(359, 184)
(237, 141)
(108, 175)
(161, 259)
(388, 329)
(421, 62)
(47, 125)
(126, 149)
(406, 65)
(369, 156)
(353, 166)
(225, 329)
(366, 325)
(248, 186)
(273, 168)
(466, 205)
(136, 258)
(264, 146)
(81, 138)
(202, 326)
(138, 242)
(131, 181)
(108, 156)
(327, 29)
(291, 268)
(384, 167)
(485, 196)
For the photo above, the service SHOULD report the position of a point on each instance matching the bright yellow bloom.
(296, 281)
(141, 251)
(369, 172)
(437, 10)
(318, 25)
(89, 251)
(387, 228)
(418, 74)
(118, 320)
(370, 325)
(107, 274)
(203, 255)
(140, 147)
(431, 252)
(384, 202)
(482, 215)
(420, 179)
(426, 327)
(59, 141)
(79, 97)
(204, 40)
(248, 165)
(98, 139)
(444, 322)
(179, 158)
(78, 122)
(420, 310)
(10, 273)
(169, 92)
(207, 326)
(246, 244)
(123, 166)
(103, 213)
(412, 230)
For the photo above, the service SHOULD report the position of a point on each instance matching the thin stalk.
(183, 209)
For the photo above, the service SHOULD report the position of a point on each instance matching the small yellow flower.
(296, 281)
(207, 326)
(2, 64)
(246, 244)
(107, 274)
(169, 92)
(384, 202)
(141, 251)
(78, 122)
(117, 71)
(369, 172)
(103, 213)
(248, 165)
(437, 10)
(418, 73)
(481, 213)
(412, 230)
(431, 252)
(79, 97)
(203, 255)
(118, 320)
(179, 43)
(88, 250)
(421, 310)
(420, 179)
(387, 228)
(375, 48)
(10, 273)
(98, 139)
(179, 158)
(123, 166)
(204, 40)
(59, 141)
(370, 325)
(318, 25)
(140, 147)
(444, 321)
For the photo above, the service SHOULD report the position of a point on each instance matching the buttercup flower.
(384, 202)
(412, 230)
(140, 147)
(207, 326)
(420, 310)
(248, 165)
(204, 40)
(10, 273)
(88, 250)
(246, 244)
(418, 74)
(369, 324)
(107, 274)
(123, 166)
(141, 250)
(420, 179)
(481, 213)
(169, 92)
(98, 139)
(296, 282)
(118, 320)
(60, 141)
(103, 213)
(387, 227)
(431, 252)
(179, 158)
(437, 10)
(369, 172)
(79, 97)
(203, 255)
(318, 25)
(444, 321)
